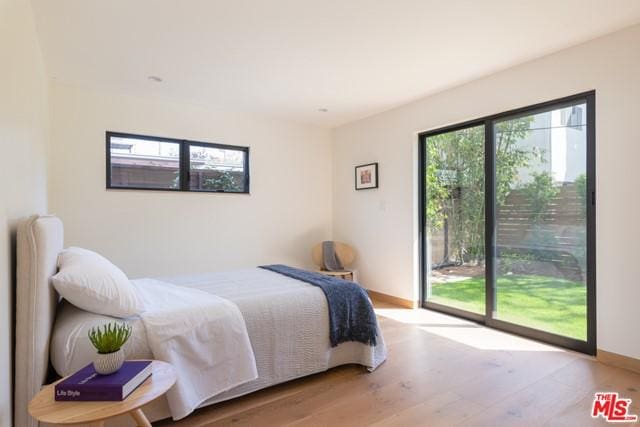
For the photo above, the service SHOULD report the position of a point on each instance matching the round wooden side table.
(43, 406)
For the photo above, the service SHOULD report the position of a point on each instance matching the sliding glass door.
(455, 179)
(541, 221)
(508, 221)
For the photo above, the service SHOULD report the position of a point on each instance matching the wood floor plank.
(512, 374)
(584, 373)
(531, 406)
(443, 410)
(578, 414)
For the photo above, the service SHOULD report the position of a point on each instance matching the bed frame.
(40, 240)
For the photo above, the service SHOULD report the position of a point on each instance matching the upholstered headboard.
(40, 240)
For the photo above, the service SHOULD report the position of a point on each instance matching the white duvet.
(202, 335)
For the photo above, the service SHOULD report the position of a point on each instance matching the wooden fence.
(554, 245)
(557, 238)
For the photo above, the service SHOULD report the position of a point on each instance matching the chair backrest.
(345, 253)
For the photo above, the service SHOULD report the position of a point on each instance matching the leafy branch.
(455, 181)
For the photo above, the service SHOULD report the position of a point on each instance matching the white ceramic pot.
(109, 363)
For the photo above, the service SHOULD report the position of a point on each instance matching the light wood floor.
(441, 371)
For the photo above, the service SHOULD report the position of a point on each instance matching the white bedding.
(287, 321)
(202, 335)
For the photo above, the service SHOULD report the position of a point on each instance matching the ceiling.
(290, 58)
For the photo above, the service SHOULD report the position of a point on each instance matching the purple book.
(88, 385)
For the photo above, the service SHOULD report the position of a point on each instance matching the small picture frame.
(367, 176)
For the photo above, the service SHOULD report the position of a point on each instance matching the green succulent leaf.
(109, 337)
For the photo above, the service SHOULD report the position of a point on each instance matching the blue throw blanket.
(330, 260)
(351, 316)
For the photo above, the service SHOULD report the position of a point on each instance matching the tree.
(540, 192)
(455, 181)
(225, 181)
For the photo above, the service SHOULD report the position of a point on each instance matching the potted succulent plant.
(108, 340)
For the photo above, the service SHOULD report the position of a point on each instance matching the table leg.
(140, 418)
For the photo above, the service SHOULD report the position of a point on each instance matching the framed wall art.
(367, 176)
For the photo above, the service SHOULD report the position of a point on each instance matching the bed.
(286, 319)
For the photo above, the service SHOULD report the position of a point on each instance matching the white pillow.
(90, 282)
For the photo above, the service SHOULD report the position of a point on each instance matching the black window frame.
(589, 346)
(184, 162)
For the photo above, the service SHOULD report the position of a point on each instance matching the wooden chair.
(345, 253)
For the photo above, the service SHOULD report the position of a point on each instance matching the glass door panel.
(455, 219)
(541, 220)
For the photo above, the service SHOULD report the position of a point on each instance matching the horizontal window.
(151, 163)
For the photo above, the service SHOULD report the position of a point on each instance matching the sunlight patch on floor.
(421, 317)
(463, 331)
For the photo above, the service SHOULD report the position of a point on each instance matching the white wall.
(23, 142)
(151, 233)
(382, 223)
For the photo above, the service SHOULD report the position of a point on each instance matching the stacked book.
(88, 385)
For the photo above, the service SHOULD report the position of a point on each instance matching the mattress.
(287, 321)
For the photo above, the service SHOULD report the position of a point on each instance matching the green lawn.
(547, 303)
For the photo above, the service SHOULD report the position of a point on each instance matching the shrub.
(540, 192)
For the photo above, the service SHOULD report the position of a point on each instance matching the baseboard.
(379, 296)
(618, 360)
